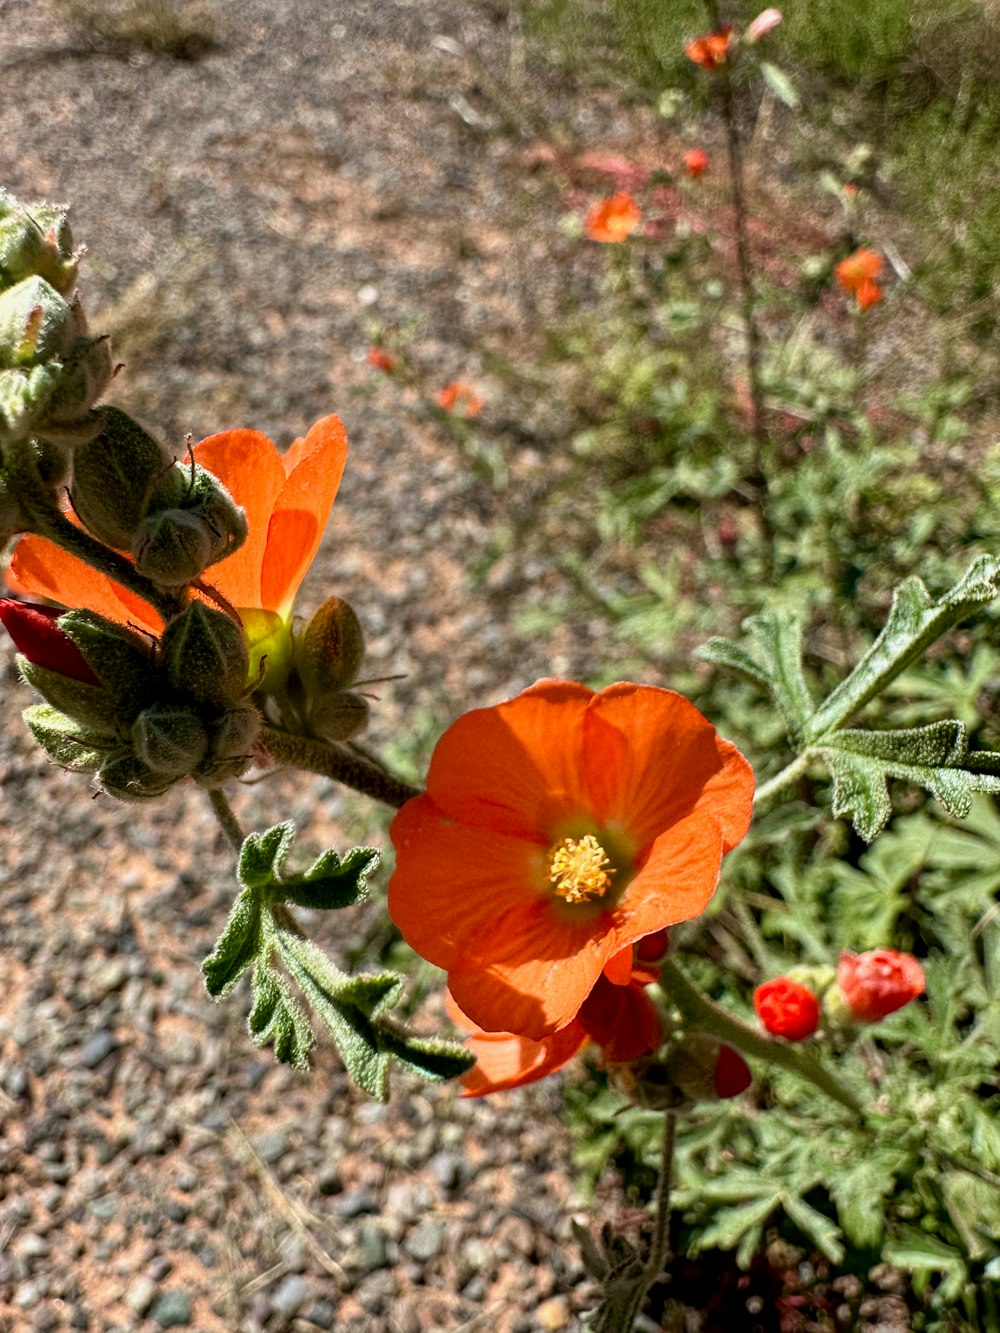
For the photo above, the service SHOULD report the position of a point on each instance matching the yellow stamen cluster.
(579, 868)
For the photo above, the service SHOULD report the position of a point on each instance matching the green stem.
(787, 775)
(705, 1015)
(228, 822)
(340, 764)
(48, 520)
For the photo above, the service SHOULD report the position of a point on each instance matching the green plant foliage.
(355, 1010)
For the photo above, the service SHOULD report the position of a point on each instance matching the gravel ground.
(251, 216)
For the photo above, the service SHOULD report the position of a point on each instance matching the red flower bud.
(652, 948)
(695, 162)
(878, 982)
(787, 1008)
(379, 359)
(35, 630)
(732, 1073)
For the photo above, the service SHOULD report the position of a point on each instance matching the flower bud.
(172, 547)
(36, 632)
(235, 734)
(89, 705)
(192, 522)
(339, 716)
(122, 660)
(766, 21)
(205, 657)
(329, 649)
(126, 777)
(786, 1008)
(877, 983)
(170, 739)
(69, 742)
(35, 239)
(695, 1068)
(113, 476)
(36, 324)
(732, 1073)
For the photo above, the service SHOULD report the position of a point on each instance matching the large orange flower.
(287, 501)
(612, 220)
(557, 829)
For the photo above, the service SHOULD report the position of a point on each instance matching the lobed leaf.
(237, 947)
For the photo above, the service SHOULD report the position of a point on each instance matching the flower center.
(580, 869)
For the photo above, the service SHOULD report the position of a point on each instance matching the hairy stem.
(680, 992)
(787, 775)
(339, 763)
(228, 822)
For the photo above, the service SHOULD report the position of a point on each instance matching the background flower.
(787, 1008)
(612, 220)
(599, 819)
(712, 50)
(878, 982)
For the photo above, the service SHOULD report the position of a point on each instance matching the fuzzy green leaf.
(933, 757)
(917, 1251)
(433, 1058)
(776, 664)
(745, 1223)
(915, 622)
(237, 947)
(263, 854)
(816, 1226)
(331, 882)
(725, 653)
(276, 1017)
(780, 84)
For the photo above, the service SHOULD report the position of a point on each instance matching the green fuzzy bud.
(205, 657)
(122, 661)
(89, 705)
(172, 548)
(12, 520)
(67, 741)
(329, 649)
(235, 734)
(171, 740)
(24, 396)
(77, 381)
(36, 324)
(114, 475)
(126, 777)
(337, 717)
(35, 239)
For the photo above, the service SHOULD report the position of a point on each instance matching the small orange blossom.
(287, 501)
(860, 273)
(379, 359)
(612, 220)
(712, 50)
(557, 829)
(458, 392)
(695, 162)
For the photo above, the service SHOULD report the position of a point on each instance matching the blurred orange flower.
(458, 392)
(712, 50)
(287, 501)
(380, 360)
(597, 820)
(860, 274)
(621, 1020)
(695, 162)
(612, 220)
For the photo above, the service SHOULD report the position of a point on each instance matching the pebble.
(171, 1309)
(553, 1314)
(290, 1295)
(97, 1047)
(271, 1146)
(322, 1314)
(355, 1202)
(140, 1295)
(425, 1241)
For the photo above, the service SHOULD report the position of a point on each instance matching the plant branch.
(787, 775)
(337, 762)
(228, 822)
(679, 991)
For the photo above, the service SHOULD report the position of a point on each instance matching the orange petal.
(533, 780)
(618, 968)
(674, 882)
(455, 888)
(673, 761)
(42, 569)
(250, 467)
(505, 1060)
(314, 467)
(622, 1020)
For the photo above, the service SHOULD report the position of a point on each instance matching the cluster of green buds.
(52, 369)
(140, 714)
(327, 654)
(174, 518)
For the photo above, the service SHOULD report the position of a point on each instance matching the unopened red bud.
(787, 1009)
(35, 630)
(732, 1073)
(651, 948)
(877, 983)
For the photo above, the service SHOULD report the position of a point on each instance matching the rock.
(271, 1146)
(171, 1309)
(140, 1295)
(425, 1241)
(290, 1295)
(97, 1047)
(553, 1314)
(322, 1314)
(356, 1202)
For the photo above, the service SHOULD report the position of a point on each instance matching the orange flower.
(712, 50)
(287, 501)
(459, 392)
(380, 360)
(860, 273)
(695, 162)
(612, 220)
(621, 1020)
(557, 829)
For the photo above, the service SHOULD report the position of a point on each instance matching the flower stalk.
(339, 763)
